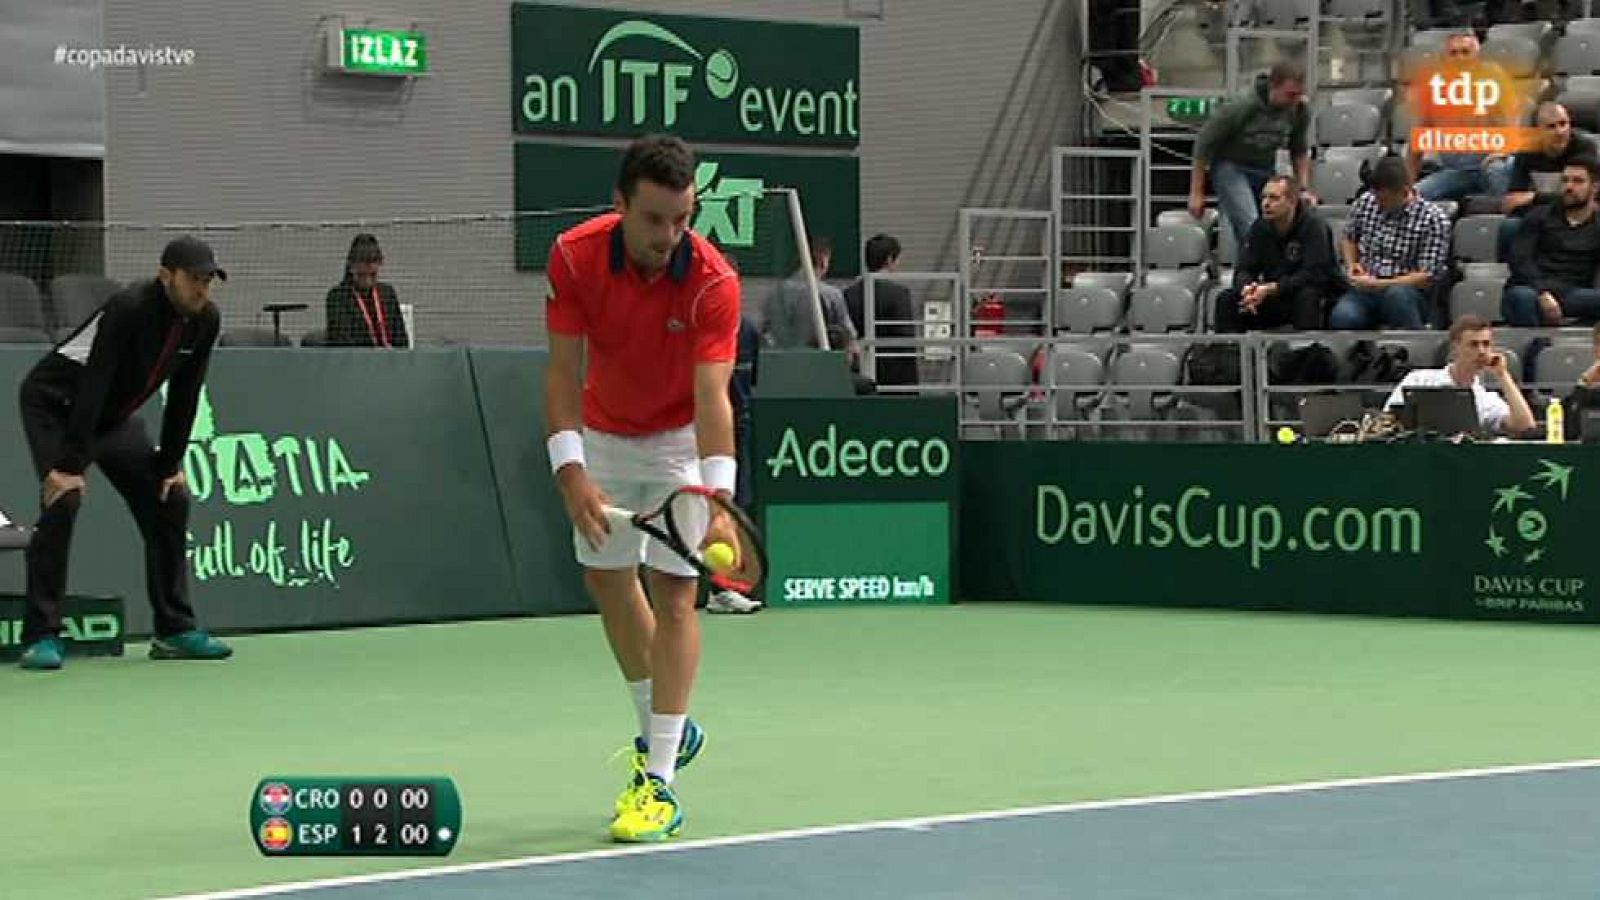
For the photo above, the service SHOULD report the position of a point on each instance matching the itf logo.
(1468, 107)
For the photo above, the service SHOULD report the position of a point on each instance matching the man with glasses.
(1555, 260)
(1536, 173)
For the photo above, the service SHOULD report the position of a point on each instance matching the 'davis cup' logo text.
(1469, 107)
(642, 74)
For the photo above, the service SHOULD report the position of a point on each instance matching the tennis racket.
(693, 518)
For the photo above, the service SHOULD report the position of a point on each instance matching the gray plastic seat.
(20, 303)
(1542, 34)
(1161, 308)
(1074, 367)
(74, 298)
(1584, 26)
(1175, 246)
(1576, 54)
(1191, 278)
(1477, 296)
(1379, 97)
(1083, 310)
(1208, 218)
(1348, 124)
(1117, 282)
(1369, 154)
(995, 383)
(1337, 180)
(1476, 238)
(1518, 56)
(1562, 362)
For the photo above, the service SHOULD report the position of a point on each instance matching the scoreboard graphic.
(364, 816)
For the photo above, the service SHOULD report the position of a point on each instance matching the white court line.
(915, 824)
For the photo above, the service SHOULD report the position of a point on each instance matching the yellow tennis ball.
(1286, 435)
(720, 556)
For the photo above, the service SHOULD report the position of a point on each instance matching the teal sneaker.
(44, 654)
(192, 644)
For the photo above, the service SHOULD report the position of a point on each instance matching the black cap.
(193, 254)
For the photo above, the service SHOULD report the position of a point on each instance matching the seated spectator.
(1472, 352)
(1584, 397)
(1462, 174)
(361, 310)
(789, 320)
(1287, 271)
(1536, 173)
(897, 364)
(1555, 259)
(1238, 146)
(1396, 248)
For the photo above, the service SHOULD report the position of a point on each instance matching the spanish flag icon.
(276, 835)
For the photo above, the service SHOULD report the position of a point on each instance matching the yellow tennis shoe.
(653, 814)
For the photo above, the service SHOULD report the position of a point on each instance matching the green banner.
(857, 498)
(750, 227)
(622, 73)
(1434, 530)
(329, 488)
(510, 384)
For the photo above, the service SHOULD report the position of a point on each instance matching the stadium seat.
(1133, 375)
(1518, 56)
(1082, 310)
(20, 304)
(1193, 278)
(74, 298)
(1476, 238)
(1562, 362)
(1162, 308)
(1400, 124)
(1208, 219)
(1480, 296)
(1117, 282)
(1376, 97)
(1584, 107)
(1284, 13)
(1357, 9)
(1581, 84)
(1175, 246)
(1074, 367)
(1423, 351)
(252, 337)
(1348, 124)
(1337, 179)
(995, 384)
(1576, 54)
(1543, 34)
(317, 337)
(1369, 154)
(1484, 271)
(1584, 26)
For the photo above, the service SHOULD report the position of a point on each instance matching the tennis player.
(78, 406)
(656, 308)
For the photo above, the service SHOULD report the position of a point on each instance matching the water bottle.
(1555, 422)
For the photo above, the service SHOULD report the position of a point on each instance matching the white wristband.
(720, 473)
(565, 447)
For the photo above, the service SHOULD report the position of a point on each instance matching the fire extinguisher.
(988, 317)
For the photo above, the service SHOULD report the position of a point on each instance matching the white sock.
(641, 704)
(666, 733)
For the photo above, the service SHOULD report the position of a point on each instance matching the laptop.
(1321, 413)
(1443, 411)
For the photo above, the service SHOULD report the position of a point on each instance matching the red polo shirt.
(644, 335)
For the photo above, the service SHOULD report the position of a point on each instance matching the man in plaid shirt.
(1396, 247)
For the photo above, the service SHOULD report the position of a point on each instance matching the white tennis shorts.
(638, 473)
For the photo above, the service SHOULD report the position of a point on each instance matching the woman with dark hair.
(361, 310)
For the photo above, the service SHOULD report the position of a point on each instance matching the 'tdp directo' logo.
(1468, 107)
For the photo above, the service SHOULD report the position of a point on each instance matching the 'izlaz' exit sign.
(377, 51)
